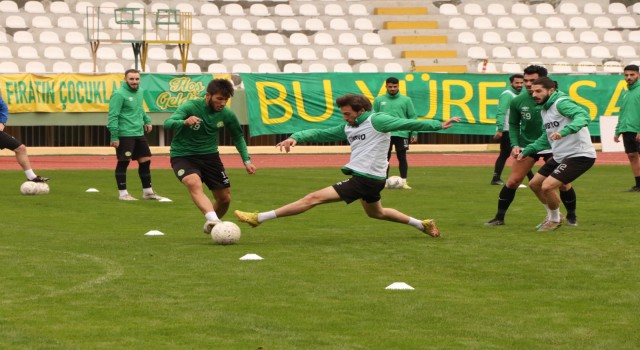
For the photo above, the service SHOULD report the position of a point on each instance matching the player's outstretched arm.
(449, 123)
(287, 144)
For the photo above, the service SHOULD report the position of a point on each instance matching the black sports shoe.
(498, 182)
(39, 179)
(573, 221)
(494, 222)
(634, 189)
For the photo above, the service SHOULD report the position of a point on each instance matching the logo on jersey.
(180, 172)
(526, 114)
(357, 137)
(560, 168)
(127, 153)
(220, 124)
(551, 125)
(196, 126)
(130, 99)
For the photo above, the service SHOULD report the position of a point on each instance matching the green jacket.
(202, 138)
(126, 114)
(629, 118)
(524, 120)
(399, 106)
(502, 114)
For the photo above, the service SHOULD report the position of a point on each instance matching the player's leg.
(20, 150)
(389, 155)
(124, 152)
(519, 170)
(505, 151)
(402, 147)
(631, 148)
(570, 202)
(375, 210)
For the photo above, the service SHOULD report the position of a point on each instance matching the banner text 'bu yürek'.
(286, 103)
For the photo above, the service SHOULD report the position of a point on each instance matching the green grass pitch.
(77, 272)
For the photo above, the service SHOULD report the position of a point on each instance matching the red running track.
(282, 160)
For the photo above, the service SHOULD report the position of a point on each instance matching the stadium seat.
(482, 23)
(257, 54)
(87, 67)
(541, 37)
(634, 36)
(3, 38)
(23, 37)
(565, 37)
(545, 9)
(501, 52)
(232, 54)
(458, 23)
(323, 39)
(613, 37)
(75, 38)
(576, 52)
(216, 24)
(317, 67)
(368, 67)
(225, 39)
(600, 51)
(81, 7)
(283, 10)
(36, 67)
(496, 9)
(554, 22)
(561, 67)
(332, 53)
(617, 8)
(357, 53)
(259, 10)
(635, 8)
(307, 54)
(106, 53)
(127, 53)
(114, 67)
(487, 67)
(568, 8)
(292, 68)
(201, 39)
(59, 8)
(333, 10)
(28, 53)
(363, 23)
(578, 23)
(342, 68)
(165, 67)
(506, 23)
(602, 22)
(49, 37)
(282, 54)
(491, 38)
(593, 8)
(241, 23)
(339, 24)
(526, 52)
(53, 53)
(157, 5)
(314, 24)
(308, 10)
(477, 52)
(208, 54)
(136, 5)
(472, 9)
(267, 67)
(8, 6)
(67, 22)
(626, 52)
(9, 67)
(448, 10)
(217, 68)
(357, 10)
(530, 22)
(348, 39)
(382, 53)
(516, 38)
(274, 39)
(157, 54)
(290, 25)
(240, 68)
(15, 22)
(5, 52)
(589, 37)
(191, 68)
(250, 39)
(627, 22)
(207, 9)
(467, 38)
(393, 67)
(80, 53)
(299, 39)
(550, 52)
(41, 22)
(613, 67)
(520, 9)
(511, 68)
(62, 67)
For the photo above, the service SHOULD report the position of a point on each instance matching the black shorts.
(567, 171)
(400, 143)
(544, 156)
(8, 141)
(209, 167)
(630, 143)
(358, 187)
(133, 147)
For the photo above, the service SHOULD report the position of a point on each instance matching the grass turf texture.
(77, 272)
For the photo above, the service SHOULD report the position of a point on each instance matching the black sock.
(504, 201)
(121, 174)
(144, 170)
(530, 175)
(569, 200)
(637, 181)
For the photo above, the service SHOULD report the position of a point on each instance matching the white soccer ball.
(226, 233)
(42, 188)
(29, 188)
(394, 182)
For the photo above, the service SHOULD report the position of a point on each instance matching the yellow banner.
(58, 92)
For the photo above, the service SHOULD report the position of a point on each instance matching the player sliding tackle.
(368, 136)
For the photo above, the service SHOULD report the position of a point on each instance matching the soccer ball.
(225, 233)
(29, 188)
(394, 182)
(42, 188)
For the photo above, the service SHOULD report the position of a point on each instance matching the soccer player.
(194, 149)
(368, 135)
(525, 127)
(127, 123)
(8, 141)
(629, 122)
(502, 126)
(399, 106)
(569, 139)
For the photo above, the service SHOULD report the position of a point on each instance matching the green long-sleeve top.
(502, 114)
(202, 138)
(524, 120)
(629, 118)
(397, 105)
(126, 114)
(369, 140)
